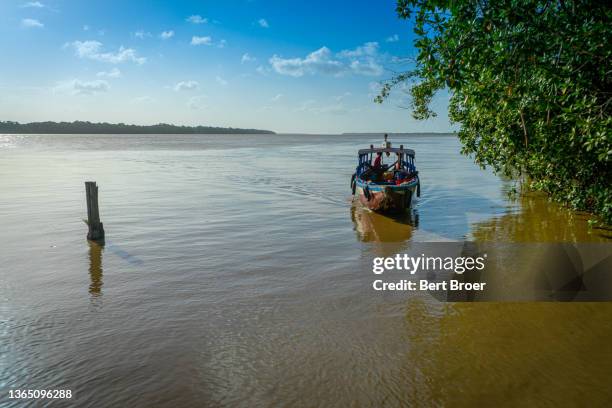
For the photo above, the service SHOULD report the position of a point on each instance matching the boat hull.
(386, 198)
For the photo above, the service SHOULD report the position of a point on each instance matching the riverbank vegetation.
(79, 127)
(531, 88)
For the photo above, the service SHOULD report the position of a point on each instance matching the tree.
(530, 84)
(79, 127)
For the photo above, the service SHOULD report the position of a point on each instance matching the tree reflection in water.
(539, 220)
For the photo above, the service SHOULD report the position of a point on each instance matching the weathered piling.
(96, 229)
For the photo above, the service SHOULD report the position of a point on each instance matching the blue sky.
(310, 67)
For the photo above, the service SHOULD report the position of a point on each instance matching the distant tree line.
(118, 128)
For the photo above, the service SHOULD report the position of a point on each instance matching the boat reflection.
(373, 227)
(95, 268)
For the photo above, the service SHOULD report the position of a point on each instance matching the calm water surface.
(228, 279)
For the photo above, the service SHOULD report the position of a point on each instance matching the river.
(228, 279)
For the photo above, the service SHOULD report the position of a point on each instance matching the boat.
(386, 188)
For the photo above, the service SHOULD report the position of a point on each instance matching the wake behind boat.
(386, 188)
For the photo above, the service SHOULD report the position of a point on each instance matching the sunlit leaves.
(530, 87)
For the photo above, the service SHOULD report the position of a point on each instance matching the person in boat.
(377, 161)
(399, 170)
(386, 144)
(375, 169)
(403, 171)
(398, 163)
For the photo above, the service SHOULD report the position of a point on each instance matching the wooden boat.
(386, 188)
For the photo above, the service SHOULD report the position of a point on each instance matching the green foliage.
(530, 87)
(79, 127)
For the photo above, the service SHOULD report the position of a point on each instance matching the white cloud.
(368, 67)
(84, 49)
(247, 58)
(221, 44)
(93, 50)
(113, 73)
(142, 34)
(197, 102)
(262, 70)
(263, 23)
(85, 27)
(78, 87)
(221, 81)
(186, 86)
(367, 49)
(276, 97)
(31, 23)
(33, 4)
(196, 19)
(318, 61)
(166, 34)
(362, 60)
(393, 38)
(400, 60)
(195, 40)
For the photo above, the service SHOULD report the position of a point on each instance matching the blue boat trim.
(380, 186)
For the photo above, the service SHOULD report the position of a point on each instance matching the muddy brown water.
(227, 279)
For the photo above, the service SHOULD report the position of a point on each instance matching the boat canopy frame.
(408, 152)
(366, 156)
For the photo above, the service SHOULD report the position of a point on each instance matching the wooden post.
(96, 229)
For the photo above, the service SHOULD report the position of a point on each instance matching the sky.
(287, 66)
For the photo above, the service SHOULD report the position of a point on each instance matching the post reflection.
(95, 268)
